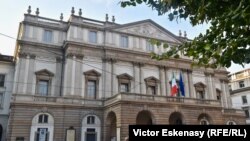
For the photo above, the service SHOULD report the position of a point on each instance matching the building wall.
(7, 69)
(238, 92)
(70, 59)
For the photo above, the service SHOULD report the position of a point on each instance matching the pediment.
(148, 28)
(151, 79)
(199, 85)
(125, 76)
(92, 73)
(44, 72)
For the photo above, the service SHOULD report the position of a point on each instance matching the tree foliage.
(228, 38)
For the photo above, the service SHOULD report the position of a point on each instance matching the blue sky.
(11, 14)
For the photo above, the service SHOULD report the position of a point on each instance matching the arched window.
(230, 122)
(42, 128)
(204, 119)
(91, 128)
(204, 122)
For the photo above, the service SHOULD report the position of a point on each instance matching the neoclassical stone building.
(87, 80)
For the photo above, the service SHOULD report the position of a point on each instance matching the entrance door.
(42, 134)
(90, 134)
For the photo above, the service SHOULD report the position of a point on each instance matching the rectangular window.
(241, 84)
(92, 36)
(47, 36)
(246, 113)
(152, 90)
(124, 41)
(244, 99)
(2, 79)
(90, 120)
(1, 100)
(201, 94)
(43, 87)
(124, 87)
(149, 47)
(91, 91)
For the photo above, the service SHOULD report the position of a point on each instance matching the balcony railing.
(233, 111)
(58, 100)
(159, 99)
(118, 97)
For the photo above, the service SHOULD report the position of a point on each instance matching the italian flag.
(174, 88)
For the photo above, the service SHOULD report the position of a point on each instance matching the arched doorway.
(144, 118)
(176, 118)
(42, 127)
(1, 132)
(111, 127)
(204, 119)
(91, 128)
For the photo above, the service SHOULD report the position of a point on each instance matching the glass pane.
(91, 89)
(40, 119)
(1, 99)
(42, 132)
(45, 118)
(149, 46)
(90, 120)
(47, 37)
(90, 137)
(124, 41)
(124, 87)
(2, 77)
(93, 37)
(43, 87)
(151, 90)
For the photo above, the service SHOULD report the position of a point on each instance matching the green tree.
(228, 38)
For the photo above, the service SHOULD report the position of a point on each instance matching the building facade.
(87, 80)
(6, 83)
(239, 86)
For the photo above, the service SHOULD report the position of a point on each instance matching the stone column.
(141, 82)
(162, 80)
(68, 75)
(113, 78)
(224, 97)
(186, 83)
(78, 75)
(108, 77)
(190, 82)
(26, 73)
(136, 83)
(213, 89)
(168, 89)
(72, 86)
(208, 88)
